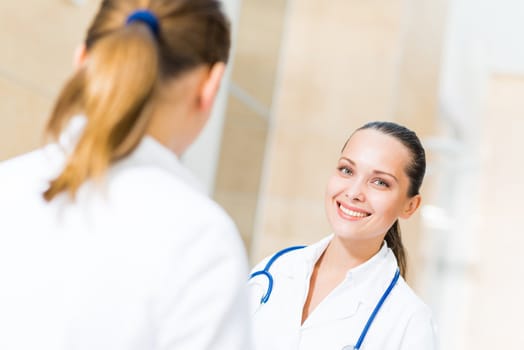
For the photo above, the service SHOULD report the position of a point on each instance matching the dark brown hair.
(126, 64)
(415, 171)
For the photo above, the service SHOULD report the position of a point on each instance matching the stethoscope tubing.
(266, 273)
(371, 318)
(376, 310)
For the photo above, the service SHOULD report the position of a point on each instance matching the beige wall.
(38, 40)
(496, 307)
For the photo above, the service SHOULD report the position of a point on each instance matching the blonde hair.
(125, 64)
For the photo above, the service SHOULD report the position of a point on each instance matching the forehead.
(377, 150)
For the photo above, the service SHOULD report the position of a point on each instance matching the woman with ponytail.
(105, 243)
(347, 291)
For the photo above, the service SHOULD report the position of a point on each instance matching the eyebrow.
(374, 171)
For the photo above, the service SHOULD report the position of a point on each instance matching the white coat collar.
(152, 152)
(374, 276)
(148, 152)
(368, 280)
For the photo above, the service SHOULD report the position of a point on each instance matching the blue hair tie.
(147, 17)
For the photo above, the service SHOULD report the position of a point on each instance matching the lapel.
(359, 293)
(341, 303)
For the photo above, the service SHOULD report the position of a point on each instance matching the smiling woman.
(348, 289)
(381, 168)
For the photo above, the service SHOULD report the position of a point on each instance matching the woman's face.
(369, 189)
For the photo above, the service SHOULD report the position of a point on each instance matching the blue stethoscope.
(265, 297)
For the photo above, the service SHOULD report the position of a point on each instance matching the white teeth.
(352, 212)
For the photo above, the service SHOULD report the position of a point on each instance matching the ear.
(210, 86)
(79, 56)
(411, 206)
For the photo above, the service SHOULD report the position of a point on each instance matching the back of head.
(127, 61)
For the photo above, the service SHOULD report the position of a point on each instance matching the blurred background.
(304, 74)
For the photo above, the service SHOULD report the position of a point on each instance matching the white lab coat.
(403, 323)
(144, 261)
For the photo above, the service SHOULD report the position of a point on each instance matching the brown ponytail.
(124, 66)
(394, 241)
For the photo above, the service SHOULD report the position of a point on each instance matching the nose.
(356, 191)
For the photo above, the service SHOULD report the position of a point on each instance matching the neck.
(168, 126)
(345, 255)
(176, 118)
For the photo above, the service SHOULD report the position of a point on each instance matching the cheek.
(390, 206)
(331, 192)
(333, 188)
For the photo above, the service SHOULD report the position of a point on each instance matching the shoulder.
(415, 317)
(29, 173)
(290, 255)
(279, 259)
(408, 300)
(155, 188)
(197, 235)
(288, 260)
(168, 204)
(29, 163)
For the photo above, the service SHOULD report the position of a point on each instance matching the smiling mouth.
(352, 213)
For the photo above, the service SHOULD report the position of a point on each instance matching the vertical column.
(247, 115)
